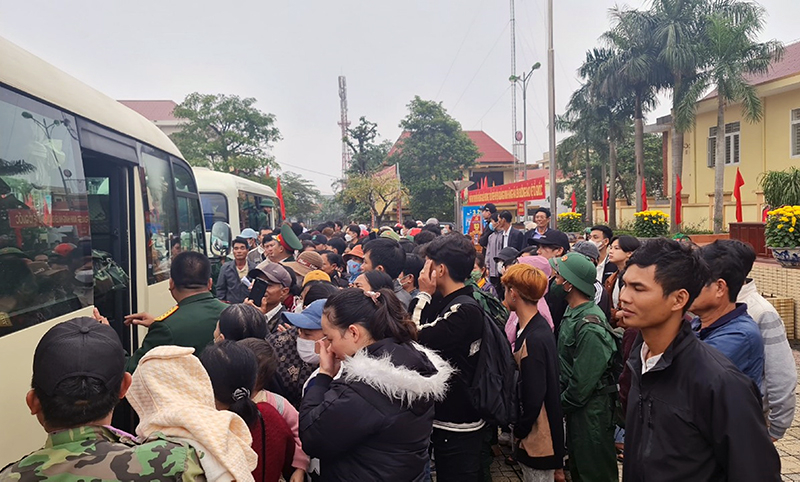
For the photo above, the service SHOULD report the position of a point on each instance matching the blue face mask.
(353, 269)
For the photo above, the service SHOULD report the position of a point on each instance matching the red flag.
(46, 214)
(644, 196)
(279, 192)
(678, 201)
(605, 202)
(574, 201)
(29, 202)
(737, 193)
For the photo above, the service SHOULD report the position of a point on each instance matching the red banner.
(28, 218)
(520, 208)
(530, 190)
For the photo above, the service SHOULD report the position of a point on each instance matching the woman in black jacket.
(374, 422)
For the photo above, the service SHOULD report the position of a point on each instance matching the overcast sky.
(289, 54)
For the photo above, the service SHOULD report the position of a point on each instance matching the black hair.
(506, 215)
(297, 228)
(409, 224)
(542, 210)
(337, 244)
(305, 236)
(455, 252)
(413, 266)
(334, 259)
(480, 260)
(628, 244)
(233, 370)
(424, 237)
(267, 360)
(724, 263)
(607, 232)
(190, 270)
(387, 253)
(378, 280)
(266, 239)
(307, 244)
(383, 318)
(239, 240)
(743, 251)
(77, 401)
(338, 223)
(407, 245)
(240, 321)
(318, 290)
(355, 228)
(677, 266)
(433, 228)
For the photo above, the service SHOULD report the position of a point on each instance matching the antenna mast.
(344, 123)
(515, 143)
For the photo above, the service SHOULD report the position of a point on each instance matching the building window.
(732, 147)
(795, 133)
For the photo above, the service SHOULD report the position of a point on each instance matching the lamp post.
(524, 79)
(457, 187)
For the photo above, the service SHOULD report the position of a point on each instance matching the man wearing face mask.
(296, 351)
(586, 350)
(601, 237)
(354, 259)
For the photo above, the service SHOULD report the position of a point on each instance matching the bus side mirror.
(220, 239)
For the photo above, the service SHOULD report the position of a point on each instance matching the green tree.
(301, 198)
(375, 191)
(653, 171)
(367, 154)
(732, 52)
(433, 150)
(226, 133)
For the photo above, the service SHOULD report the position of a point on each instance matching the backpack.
(616, 366)
(108, 275)
(491, 306)
(493, 390)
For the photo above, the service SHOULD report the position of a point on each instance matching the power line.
(481, 66)
(463, 41)
(308, 170)
(493, 105)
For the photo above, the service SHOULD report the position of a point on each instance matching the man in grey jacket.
(780, 374)
(230, 287)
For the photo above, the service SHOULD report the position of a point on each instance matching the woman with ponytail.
(375, 421)
(233, 370)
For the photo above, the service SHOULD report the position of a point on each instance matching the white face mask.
(348, 237)
(305, 348)
(298, 308)
(600, 244)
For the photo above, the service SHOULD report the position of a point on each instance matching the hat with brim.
(248, 233)
(273, 272)
(553, 237)
(267, 203)
(588, 249)
(306, 262)
(356, 252)
(576, 269)
(507, 254)
(390, 234)
(11, 251)
(316, 275)
(288, 239)
(309, 319)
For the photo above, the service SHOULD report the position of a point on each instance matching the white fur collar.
(399, 382)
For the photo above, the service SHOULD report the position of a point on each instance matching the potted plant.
(783, 235)
(781, 188)
(570, 222)
(650, 224)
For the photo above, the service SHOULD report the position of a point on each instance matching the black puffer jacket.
(374, 423)
(695, 416)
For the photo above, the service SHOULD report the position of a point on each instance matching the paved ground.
(788, 448)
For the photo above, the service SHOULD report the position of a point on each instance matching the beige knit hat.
(172, 394)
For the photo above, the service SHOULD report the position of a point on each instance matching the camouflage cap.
(78, 347)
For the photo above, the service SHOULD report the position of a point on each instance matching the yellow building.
(771, 144)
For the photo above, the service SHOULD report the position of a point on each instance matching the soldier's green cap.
(11, 251)
(267, 203)
(288, 239)
(577, 270)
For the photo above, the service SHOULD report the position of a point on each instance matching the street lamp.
(524, 79)
(457, 187)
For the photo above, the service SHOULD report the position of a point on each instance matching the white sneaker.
(504, 439)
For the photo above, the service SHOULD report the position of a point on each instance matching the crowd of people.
(344, 353)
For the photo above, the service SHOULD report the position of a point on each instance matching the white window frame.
(732, 141)
(794, 133)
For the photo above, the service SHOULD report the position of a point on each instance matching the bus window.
(160, 219)
(215, 209)
(190, 225)
(45, 248)
(184, 182)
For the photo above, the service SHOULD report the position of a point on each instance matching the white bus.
(80, 175)
(233, 200)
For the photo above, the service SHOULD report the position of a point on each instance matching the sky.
(289, 55)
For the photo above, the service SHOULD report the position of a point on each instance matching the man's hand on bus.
(97, 316)
(141, 319)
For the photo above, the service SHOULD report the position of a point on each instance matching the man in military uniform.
(193, 320)
(78, 377)
(282, 247)
(265, 216)
(586, 349)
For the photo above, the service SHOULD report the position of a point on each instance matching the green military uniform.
(585, 355)
(102, 453)
(191, 323)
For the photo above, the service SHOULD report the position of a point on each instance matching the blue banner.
(467, 213)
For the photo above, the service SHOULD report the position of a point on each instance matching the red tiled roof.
(491, 151)
(153, 110)
(788, 65)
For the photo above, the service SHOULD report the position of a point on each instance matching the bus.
(233, 200)
(94, 202)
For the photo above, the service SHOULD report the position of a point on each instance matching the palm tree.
(633, 68)
(732, 54)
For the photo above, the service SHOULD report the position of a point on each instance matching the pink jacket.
(511, 325)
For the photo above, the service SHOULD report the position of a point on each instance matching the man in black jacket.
(451, 322)
(489, 210)
(692, 415)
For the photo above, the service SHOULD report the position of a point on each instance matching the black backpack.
(493, 391)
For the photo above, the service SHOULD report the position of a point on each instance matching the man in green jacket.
(193, 320)
(585, 350)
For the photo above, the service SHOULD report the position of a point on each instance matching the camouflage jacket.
(103, 453)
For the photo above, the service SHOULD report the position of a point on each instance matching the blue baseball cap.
(249, 233)
(309, 319)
